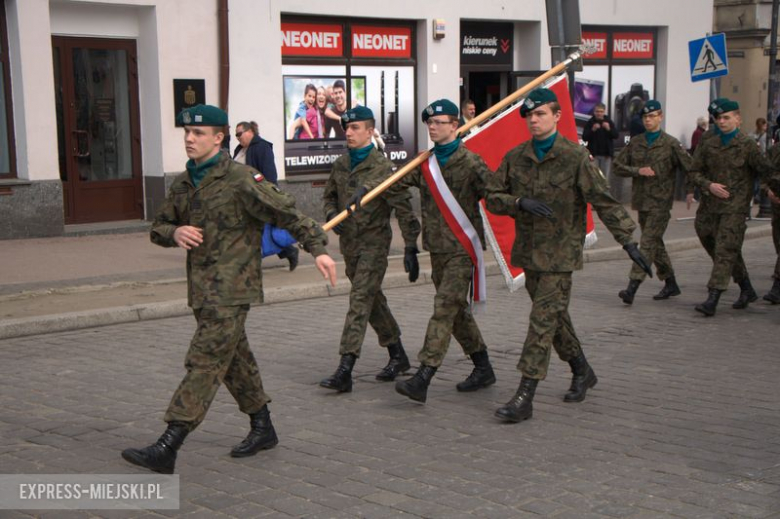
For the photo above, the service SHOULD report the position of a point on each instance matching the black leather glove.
(535, 207)
(339, 227)
(411, 265)
(356, 198)
(638, 258)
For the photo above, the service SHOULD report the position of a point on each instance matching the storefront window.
(7, 158)
(329, 68)
(620, 74)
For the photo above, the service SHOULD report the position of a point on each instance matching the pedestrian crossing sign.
(708, 57)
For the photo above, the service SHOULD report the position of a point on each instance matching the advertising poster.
(316, 95)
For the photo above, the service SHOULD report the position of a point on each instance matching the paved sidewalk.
(57, 284)
(683, 422)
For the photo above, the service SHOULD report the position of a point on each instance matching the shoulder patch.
(258, 177)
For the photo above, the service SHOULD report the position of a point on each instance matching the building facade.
(90, 88)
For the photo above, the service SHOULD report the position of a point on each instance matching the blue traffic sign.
(708, 57)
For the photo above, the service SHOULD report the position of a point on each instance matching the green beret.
(726, 105)
(440, 107)
(651, 106)
(537, 98)
(714, 104)
(359, 113)
(202, 115)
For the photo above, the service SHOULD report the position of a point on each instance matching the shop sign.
(486, 43)
(632, 45)
(597, 41)
(312, 39)
(381, 42)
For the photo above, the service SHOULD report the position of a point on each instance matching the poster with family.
(315, 97)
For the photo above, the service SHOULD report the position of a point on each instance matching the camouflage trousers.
(776, 237)
(219, 352)
(653, 225)
(549, 325)
(367, 303)
(721, 235)
(452, 316)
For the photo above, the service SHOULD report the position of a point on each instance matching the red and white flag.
(491, 141)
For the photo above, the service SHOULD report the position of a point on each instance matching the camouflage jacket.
(369, 228)
(566, 179)
(464, 173)
(665, 157)
(735, 165)
(230, 207)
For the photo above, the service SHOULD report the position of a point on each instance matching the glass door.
(98, 129)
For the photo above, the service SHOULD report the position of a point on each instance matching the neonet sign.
(327, 40)
(625, 45)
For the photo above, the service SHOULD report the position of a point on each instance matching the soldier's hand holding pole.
(356, 198)
(339, 227)
(535, 207)
(638, 258)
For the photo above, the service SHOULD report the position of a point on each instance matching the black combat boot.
(627, 295)
(261, 435)
(521, 406)
(399, 363)
(161, 455)
(416, 387)
(773, 296)
(670, 289)
(481, 376)
(583, 378)
(746, 295)
(341, 380)
(708, 307)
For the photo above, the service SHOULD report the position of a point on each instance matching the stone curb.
(160, 310)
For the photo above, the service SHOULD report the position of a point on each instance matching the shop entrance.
(99, 138)
(486, 89)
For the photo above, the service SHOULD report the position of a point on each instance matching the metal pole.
(765, 209)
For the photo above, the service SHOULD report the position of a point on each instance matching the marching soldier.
(652, 159)
(364, 239)
(452, 182)
(545, 184)
(216, 210)
(724, 168)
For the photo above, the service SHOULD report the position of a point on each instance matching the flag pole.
(487, 114)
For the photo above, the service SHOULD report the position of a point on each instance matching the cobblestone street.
(685, 420)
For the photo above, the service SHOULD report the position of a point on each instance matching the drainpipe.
(224, 54)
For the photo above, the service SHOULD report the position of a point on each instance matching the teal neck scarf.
(725, 138)
(652, 137)
(198, 171)
(541, 147)
(443, 152)
(357, 156)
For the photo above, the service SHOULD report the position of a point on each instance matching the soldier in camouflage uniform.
(545, 184)
(464, 174)
(364, 239)
(216, 210)
(652, 159)
(773, 296)
(724, 168)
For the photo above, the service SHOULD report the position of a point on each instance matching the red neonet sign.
(597, 40)
(381, 42)
(632, 45)
(327, 40)
(312, 39)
